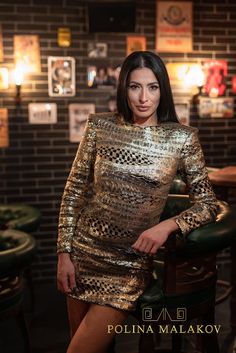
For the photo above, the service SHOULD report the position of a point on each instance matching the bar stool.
(184, 283)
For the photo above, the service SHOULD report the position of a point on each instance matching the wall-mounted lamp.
(18, 78)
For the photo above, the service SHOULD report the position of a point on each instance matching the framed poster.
(42, 113)
(97, 50)
(216, 107)
(234, 84)
(174, 26)
(64, 37)
(4, 132)
(4, 78)
(216, 73)
(27, 52)
(134, 43)
(1, 45)
(78, 114)
(61, 76)
(103, 76)
(183, 111)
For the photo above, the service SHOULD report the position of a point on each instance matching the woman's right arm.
(73, 201)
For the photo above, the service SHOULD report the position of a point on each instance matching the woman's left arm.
(204, 208)
(202, 196)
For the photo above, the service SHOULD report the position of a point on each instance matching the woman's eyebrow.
(138, 83)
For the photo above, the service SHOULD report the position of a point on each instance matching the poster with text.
(78, 114)
(27, 52)
(4, 133)
(174, 26)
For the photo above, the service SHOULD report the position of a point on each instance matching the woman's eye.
(154, 87)
(133, 87)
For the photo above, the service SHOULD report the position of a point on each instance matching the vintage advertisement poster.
(42, 113)
(216, 73)
(61, 76)
(134, 43)
(78, 114)
(174, 26)
(27, 52)
(4, 132)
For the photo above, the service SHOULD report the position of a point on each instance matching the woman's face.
(143, 94)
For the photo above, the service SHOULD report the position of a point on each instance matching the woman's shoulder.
(179, 128)
(103, 117)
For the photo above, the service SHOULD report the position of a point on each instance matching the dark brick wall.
(35, 166)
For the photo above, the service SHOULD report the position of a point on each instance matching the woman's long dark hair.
(139, 59)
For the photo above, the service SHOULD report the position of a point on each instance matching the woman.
(109, 219)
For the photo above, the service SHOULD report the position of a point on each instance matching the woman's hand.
(153, 238)
(65, 273)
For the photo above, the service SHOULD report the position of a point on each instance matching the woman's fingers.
(71, 279)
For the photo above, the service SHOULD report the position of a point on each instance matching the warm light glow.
(191, 76)
(19, 73)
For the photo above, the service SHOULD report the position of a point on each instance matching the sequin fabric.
(117, 188)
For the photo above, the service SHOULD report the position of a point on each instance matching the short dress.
(117, 188)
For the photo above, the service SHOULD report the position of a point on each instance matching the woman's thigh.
(93, 335)
(76, 309)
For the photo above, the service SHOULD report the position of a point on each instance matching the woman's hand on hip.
(153, 238)
(65, 273)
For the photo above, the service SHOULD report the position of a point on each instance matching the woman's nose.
(143, 96)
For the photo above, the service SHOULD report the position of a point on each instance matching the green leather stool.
(27, 219)
(17, 250)
(19, 216)
(184, 280)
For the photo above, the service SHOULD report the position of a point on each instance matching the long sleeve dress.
(116, 189)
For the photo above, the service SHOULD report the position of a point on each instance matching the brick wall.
(35, 166)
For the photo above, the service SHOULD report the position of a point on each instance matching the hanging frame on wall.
(61, 76)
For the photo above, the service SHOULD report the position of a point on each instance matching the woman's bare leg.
(92, 334)
(76, 309)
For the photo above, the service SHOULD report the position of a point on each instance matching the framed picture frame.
(78, 114)
(221, 107)
(1, 45)
(27, 52)
(61, 76)
(97, 50)
(104, 77)
(174, 26)
(216, 75)
(4, 130)
(42, 113)
(134, 43)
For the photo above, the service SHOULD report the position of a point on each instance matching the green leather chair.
(184, 279)
(18, 221)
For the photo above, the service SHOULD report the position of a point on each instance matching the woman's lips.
(142, 108)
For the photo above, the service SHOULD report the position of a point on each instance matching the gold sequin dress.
(117, 188)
